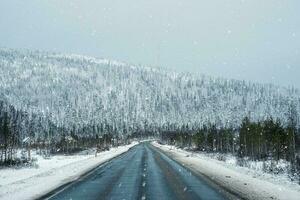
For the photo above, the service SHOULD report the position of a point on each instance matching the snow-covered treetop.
(75, 91)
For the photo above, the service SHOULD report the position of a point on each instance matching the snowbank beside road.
(30, 183)
(233, 179)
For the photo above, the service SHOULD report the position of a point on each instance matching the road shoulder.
(37, 182)
(245, 186)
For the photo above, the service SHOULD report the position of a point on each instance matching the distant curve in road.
(142, 173)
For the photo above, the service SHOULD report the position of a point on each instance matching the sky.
(256, 40)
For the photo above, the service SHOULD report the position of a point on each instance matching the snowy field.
(246, 182)
(48, 174)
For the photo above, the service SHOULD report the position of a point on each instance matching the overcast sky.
(256, 40)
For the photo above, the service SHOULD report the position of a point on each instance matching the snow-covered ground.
(48, 174)
(247, 183)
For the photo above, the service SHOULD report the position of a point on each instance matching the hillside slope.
(76, 91)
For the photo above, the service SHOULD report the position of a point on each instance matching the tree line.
(21, 131)
(266, 140)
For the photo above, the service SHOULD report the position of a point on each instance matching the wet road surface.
(142, 173)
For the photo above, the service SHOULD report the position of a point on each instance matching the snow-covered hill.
(75, 91)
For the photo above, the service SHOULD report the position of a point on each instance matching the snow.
(48, 174)
(247, 183)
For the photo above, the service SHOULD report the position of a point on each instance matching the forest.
(53, 140)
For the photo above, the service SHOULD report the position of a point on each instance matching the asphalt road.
(142, 173)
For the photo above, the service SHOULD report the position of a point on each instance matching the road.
(142, 173)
